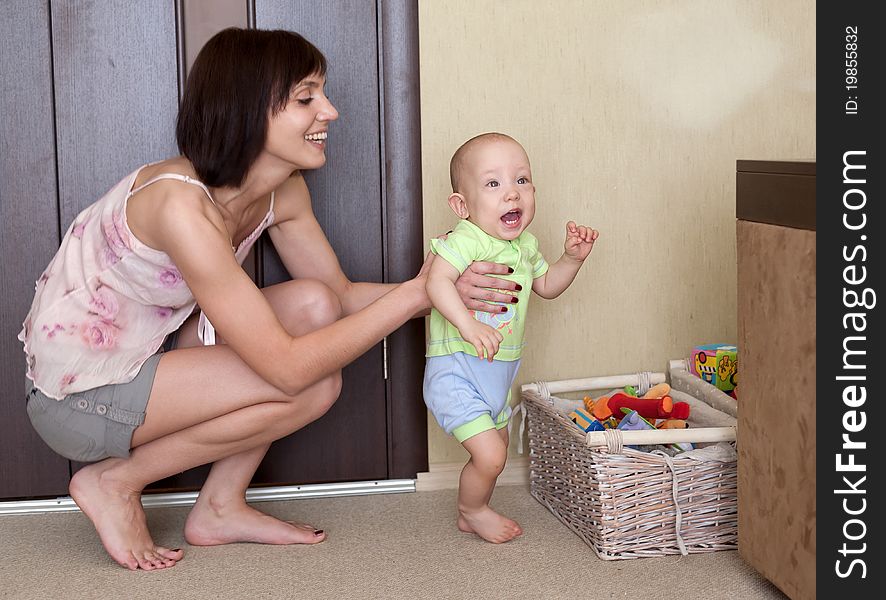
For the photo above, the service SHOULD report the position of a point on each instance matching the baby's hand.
(483, 338)
(579, 240)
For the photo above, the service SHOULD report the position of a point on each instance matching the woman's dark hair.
(239, 79)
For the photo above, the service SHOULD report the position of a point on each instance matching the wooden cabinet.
(776, 398)
(92, 92)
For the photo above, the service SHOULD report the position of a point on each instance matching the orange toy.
(658, 391)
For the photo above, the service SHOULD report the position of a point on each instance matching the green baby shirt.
(468, 243)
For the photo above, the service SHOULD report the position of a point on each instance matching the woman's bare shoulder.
(151, 210)
(292, 198)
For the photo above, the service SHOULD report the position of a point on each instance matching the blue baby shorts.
(467, 395)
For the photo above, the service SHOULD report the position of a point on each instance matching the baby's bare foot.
(239, 522)
(119, 518)
(489, 525)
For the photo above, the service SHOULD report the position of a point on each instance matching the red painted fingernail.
(504, 309)
(510, 270)
(519, 288)
(514, 300)
(318, 532)
(176, 549)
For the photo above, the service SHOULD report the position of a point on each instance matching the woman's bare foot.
(489, 525)
(211, 524)
(118, 516)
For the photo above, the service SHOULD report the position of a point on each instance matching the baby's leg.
(489, 452)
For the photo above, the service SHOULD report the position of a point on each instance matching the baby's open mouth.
(512, 218)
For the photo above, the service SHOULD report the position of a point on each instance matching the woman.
(252, 365)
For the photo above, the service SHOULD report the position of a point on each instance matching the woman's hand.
(480, 275)
(470, 284)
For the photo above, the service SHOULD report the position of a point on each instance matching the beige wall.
(633, 114)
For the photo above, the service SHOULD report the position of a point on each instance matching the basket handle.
(545, 388)
(645, 437)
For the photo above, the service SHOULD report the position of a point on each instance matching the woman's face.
(297, 134)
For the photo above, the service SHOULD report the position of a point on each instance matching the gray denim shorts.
(94, 424)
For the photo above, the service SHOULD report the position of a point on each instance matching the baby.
(493, 195)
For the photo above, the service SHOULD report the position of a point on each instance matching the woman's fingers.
(482, 267)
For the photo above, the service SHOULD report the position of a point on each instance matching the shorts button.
(82, 404)
(101, 409)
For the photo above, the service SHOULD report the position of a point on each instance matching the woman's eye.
(304, 101)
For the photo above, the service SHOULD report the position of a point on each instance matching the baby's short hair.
(456, 165)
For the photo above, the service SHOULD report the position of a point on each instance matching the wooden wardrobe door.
(30, 235)
(116, 94)
(350, 441)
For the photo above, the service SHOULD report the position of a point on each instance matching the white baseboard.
(444, 476)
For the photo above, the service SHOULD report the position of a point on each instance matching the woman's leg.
(205, 406)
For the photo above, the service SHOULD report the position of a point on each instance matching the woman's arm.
(306, 253)
(195, 239)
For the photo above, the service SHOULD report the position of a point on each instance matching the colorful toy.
(717, 364)
(630, 390)
(585, 421)
(657, 391)
(599, 407)
(649, 408)
(632, 421)
(673, 424)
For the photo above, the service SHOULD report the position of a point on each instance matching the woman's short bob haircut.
(240, 78)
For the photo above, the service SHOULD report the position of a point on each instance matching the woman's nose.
(328, 112)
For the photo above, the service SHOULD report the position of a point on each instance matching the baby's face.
(498, 190)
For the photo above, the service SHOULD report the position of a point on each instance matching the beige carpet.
(384, 546)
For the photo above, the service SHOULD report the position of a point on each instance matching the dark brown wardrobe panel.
(29, 234)
(116, 93)
(346, 196)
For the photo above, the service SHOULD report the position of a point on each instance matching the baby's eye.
(492, 183)
(522, 180)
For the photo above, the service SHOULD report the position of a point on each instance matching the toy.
(673, 424)
(632, 421)
(630, 390)
(717, 364)
(585, 421)
(599, 407)
(657, 391)
(650, 408)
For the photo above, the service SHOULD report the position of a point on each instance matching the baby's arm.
(579, 243)
(441, 290)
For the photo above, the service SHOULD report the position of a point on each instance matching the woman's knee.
(328, 391)
(316, 401)
(304, 305)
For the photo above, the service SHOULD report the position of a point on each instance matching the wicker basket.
(627, 503)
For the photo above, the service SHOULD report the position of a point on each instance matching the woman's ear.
(458, 205)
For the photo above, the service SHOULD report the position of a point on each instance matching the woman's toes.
(174, 555)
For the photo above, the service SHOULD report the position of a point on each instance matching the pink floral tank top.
(106, 302)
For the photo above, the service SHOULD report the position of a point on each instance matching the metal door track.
(262, 494)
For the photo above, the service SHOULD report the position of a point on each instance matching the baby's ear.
(458, 205)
